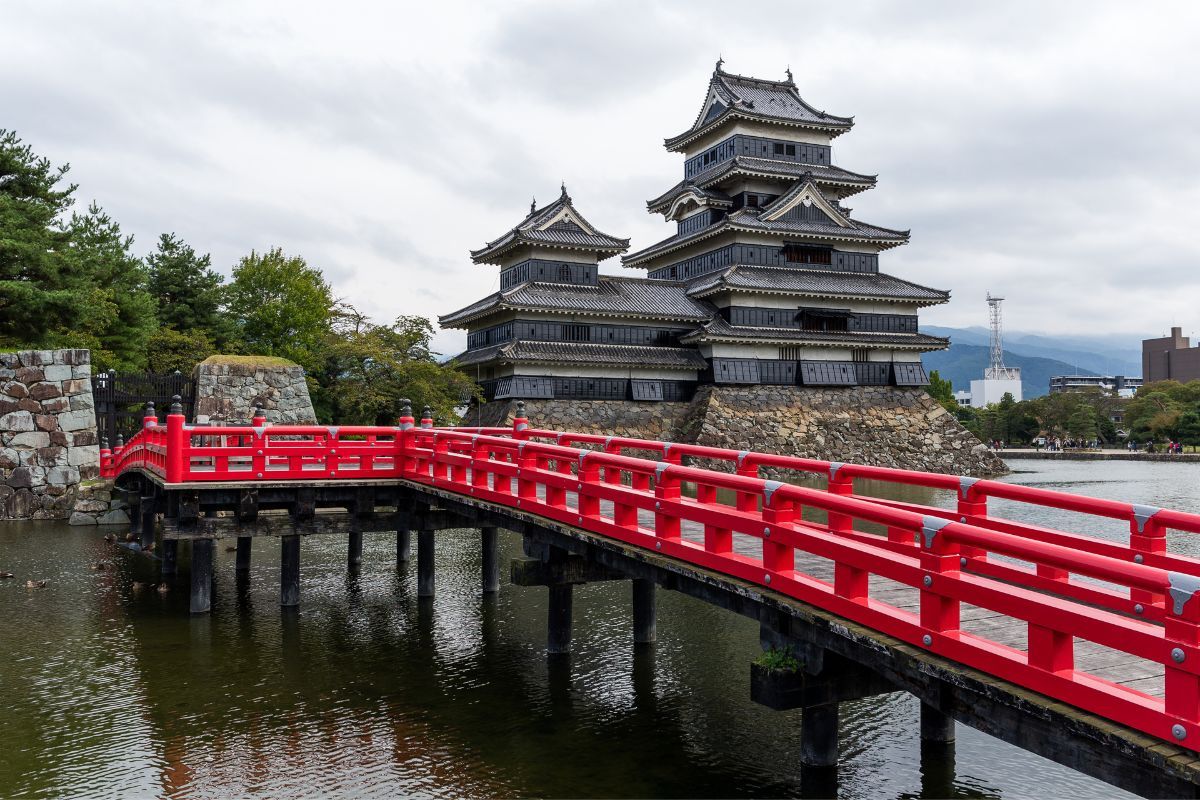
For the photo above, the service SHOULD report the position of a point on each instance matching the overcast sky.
(1049, 152)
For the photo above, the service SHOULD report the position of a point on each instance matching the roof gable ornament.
(806, 194)
(532, 204)
(788, 72)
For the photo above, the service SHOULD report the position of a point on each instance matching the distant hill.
(963, 363)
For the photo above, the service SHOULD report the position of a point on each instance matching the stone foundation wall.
(48, 440)
(96, 505)
(881, 426)
(227, 388)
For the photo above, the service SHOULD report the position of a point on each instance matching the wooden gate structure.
(121, 399)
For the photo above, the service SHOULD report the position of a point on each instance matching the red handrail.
(1137, 599)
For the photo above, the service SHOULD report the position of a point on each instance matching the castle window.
(800, 254)
(859, 355)
(791, 149)
(576, 333)
(778, 149)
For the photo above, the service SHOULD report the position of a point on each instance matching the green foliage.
(1069, 415)
(168, 350)
(285, 307)
(942, 390)
(778, 660)
(1166, 410)
(369, 368)
(189, 294)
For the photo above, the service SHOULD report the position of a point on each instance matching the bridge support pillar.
(146, 513)
(936, 727)
(403, 547)
(289, 571)
(170, 551)
(819, 735)
(202, 570)
(354, 554)
(644, 600)
(243, 553)
(425, 563)
(558, 636)
(491, 559)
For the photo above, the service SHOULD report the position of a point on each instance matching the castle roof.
(612, 296)
(717, 329)
(741, 97)
(558, 225)
(815, 282)
(575, 353)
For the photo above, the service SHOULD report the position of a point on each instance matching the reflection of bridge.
(1079, 648)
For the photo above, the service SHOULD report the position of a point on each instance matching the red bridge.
(1080, 647)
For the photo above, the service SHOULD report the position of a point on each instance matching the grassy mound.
(250, 361)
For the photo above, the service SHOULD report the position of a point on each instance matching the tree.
(1082, 423)
(36, 299)
(371, 367)
(118, 313)
(189, 294)
(168, 350)
(285, 307)
(942, 390)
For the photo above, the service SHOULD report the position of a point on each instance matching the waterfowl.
(36, 584)
(5, 575)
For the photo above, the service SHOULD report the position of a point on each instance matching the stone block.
(52, 456)
(58, 439)
(30, 374)
(22, 504)
(10, 360)
(82, 402)
(8, 406)
(45, 422)
(30, 405)
(58, 372)
(76, 357)
(84, 438)
(76, 386)
(17, 421)
(29, 440)
(80, 456)
(14, 390)
(88, 472)
(44, 391)
(114, 517)
(79, 518)
(76, 420)
(20, 478)
(83, 371)
(31, 358)
(9, 458)
(62, 476)
(56, 405)
(91, 505)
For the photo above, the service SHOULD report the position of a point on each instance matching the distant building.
(992, 390)
(1171, 358)
(998, 380)
(962, 397)
(1113, 384)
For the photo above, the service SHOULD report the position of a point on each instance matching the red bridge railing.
(1134, 598)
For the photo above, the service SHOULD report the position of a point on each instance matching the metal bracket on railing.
(522, 426)
(407, 426)
(834, 466)
(666, 449)
(930, 527)
(333, 431)
(1183, 588)
(608, 442)
(582, 455)
(1142, 514)
(259, 431)
(769, 488)
(964, 486)
(660, 469)
(558, 438)
(742, 455)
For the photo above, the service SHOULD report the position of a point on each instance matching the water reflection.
(366, 691)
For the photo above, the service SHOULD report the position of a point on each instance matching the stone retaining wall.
(48, 438)
(881, 426)
(227, 391)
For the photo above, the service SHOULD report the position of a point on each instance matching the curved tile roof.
(574, 353)
(571, 232)
(612, 296)
(830, 283)
(717, 329)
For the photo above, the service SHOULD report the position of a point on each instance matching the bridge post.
(354, 554)
(403, 547)
(289, 570)
(936, 726)
(202, 569)
(819, 735)
(146, 509)
(170, 557)
(644, 599)
(558, 634)
(425, 563)
(491, 559)
(244, 544)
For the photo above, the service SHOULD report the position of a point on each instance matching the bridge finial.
(103, 442)
(427, 417)
(176, 404)
(120, 441)
(405, 407)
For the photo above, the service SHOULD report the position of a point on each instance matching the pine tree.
(188, 292)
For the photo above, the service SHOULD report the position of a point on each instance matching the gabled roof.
(755, 220)
(575, 353)
(666, 202)
(816, 282)
(612, 296)
(557, 225)
(741, 97)
(718, 329)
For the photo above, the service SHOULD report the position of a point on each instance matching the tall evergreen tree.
(188, 292)
(118, 314)
(36, 298)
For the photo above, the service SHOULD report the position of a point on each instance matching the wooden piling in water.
(244, 544)
(491, 559)
(169, 563)
(425, 563)
(202, 570)
(354, 554)
(289, 571)
(936, 726)
(403, 547)
(644, 612)
(819, 735)
(558, 619)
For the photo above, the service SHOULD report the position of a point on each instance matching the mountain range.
(1039, 356)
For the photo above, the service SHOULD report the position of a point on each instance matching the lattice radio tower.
(996, 369)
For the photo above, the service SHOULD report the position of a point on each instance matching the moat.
(113, 690)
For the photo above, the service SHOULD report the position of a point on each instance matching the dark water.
(112, 692)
